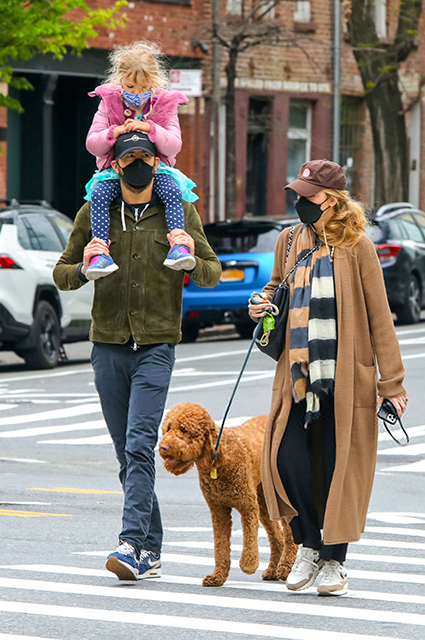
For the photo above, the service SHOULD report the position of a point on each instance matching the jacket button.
(123, 340)
(134, 284)
(137, 228)
(135, 256)
(132, 312)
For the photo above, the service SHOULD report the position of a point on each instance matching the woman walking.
(321, 441)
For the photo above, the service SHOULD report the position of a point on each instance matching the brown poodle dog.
(189, 436)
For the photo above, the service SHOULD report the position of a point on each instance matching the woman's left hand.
(400, 403)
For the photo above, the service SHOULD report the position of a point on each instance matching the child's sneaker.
(100, 266)
(179, 257)
(123, 562)
(334, 580)
(149, 565)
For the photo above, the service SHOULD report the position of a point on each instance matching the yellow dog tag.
(213, 474)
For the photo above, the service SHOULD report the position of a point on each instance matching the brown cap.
(317, 175)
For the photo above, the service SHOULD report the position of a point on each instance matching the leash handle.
(229, 404)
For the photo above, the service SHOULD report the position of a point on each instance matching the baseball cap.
(317, 175)
(133, 141)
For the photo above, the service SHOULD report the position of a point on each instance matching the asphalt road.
(61, 505)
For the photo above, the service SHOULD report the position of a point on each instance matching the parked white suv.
(36, 319)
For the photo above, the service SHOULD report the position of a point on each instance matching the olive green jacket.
(143, 299)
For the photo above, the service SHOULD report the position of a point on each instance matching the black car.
(398, 232)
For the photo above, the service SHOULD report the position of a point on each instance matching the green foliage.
(46, 26)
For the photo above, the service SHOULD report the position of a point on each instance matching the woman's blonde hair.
(142, 61)
(348, 224)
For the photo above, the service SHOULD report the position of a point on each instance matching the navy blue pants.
(165, 187)
(294, 466)
(132, 386)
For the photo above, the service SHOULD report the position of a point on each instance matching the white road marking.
(291, 608)
(276, 587)
(44, 397)
(4, 407)
(399, 531)
(182, 622)
(420, 340)
(104, 439)
(9, 636)
(414, 467)
(41, 431)
(413, 355)
(411, 450)
(414, 432)
(195, 373)
(219, 354)
(30, 460)
(55, 374)
(223, 383)
(398, 517)
(404, 332)
(55, 414)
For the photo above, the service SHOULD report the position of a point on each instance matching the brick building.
(283, 109)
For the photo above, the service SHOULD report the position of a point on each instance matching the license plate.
(232, 275)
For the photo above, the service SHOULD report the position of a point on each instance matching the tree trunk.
(231, 135)
(389, 142)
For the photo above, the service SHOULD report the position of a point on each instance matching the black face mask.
(138, 174)
(309, 212)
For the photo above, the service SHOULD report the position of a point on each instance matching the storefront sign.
(188, 81)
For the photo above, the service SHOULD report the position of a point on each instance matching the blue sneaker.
(100, 266)
(179, 257)
(123, 562)
(149, 565)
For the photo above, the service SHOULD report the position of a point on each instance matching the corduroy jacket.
(143, 299)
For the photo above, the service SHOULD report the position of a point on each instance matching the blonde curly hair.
(141, 62)
(348, 224)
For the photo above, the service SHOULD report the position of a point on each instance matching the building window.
(380, 17)
(259, 129)
(351, 134)
(302, 11)
(299, 145)
(234, 7)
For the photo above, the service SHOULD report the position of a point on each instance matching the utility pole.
(337, 81)
(215, 106)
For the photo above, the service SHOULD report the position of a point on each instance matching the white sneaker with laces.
(334, 581)
(307, 567)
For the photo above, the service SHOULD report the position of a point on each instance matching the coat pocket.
(365, 386)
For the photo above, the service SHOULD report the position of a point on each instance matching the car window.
(420, 219)
(23, 235)
(42, 235)
(412, 229)
(396, 230)
(242, 239)
(64, 227)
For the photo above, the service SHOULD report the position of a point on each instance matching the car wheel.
(190, 332)
(45, 354)
(246, 328)
(411, 312)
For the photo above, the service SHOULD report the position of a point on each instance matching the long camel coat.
(366, 337)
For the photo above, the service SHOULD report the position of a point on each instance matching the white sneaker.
(306, 568)
(334, 581)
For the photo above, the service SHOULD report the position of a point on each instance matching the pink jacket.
(165, 128)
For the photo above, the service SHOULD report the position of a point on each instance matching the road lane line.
(182, 622)
(54, 414)
(56, 374)
(33, 514)
(414, 467)
(234, 603)
(41, 431)
(223, 383)
(93, 440)
(398, 531)
(219, 354)
(71, 490)
(277, 587)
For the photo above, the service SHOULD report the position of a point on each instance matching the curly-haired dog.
(189, 436)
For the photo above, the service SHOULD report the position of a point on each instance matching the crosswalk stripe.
(69, 412)
(9, 636)
(41, 431)
(190, 544)
(275, 587)
(103, 439)
(204, 561)
(399, 531)
(415, 467)
(182, 622)
(291, 608)
(411, 450)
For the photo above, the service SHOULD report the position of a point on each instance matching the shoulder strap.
(288, 249)
(299, 262)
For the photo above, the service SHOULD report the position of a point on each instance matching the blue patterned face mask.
(136, 99)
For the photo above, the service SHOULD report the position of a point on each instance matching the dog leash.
(213, 473)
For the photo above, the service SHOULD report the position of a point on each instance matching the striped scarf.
(312, 321)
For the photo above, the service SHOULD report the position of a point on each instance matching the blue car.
(245, 248)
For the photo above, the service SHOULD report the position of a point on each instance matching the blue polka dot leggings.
(106, 191)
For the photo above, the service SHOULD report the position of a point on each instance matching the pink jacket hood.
(165, 128)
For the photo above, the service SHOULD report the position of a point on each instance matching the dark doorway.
(259, 125)
(47, 157)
